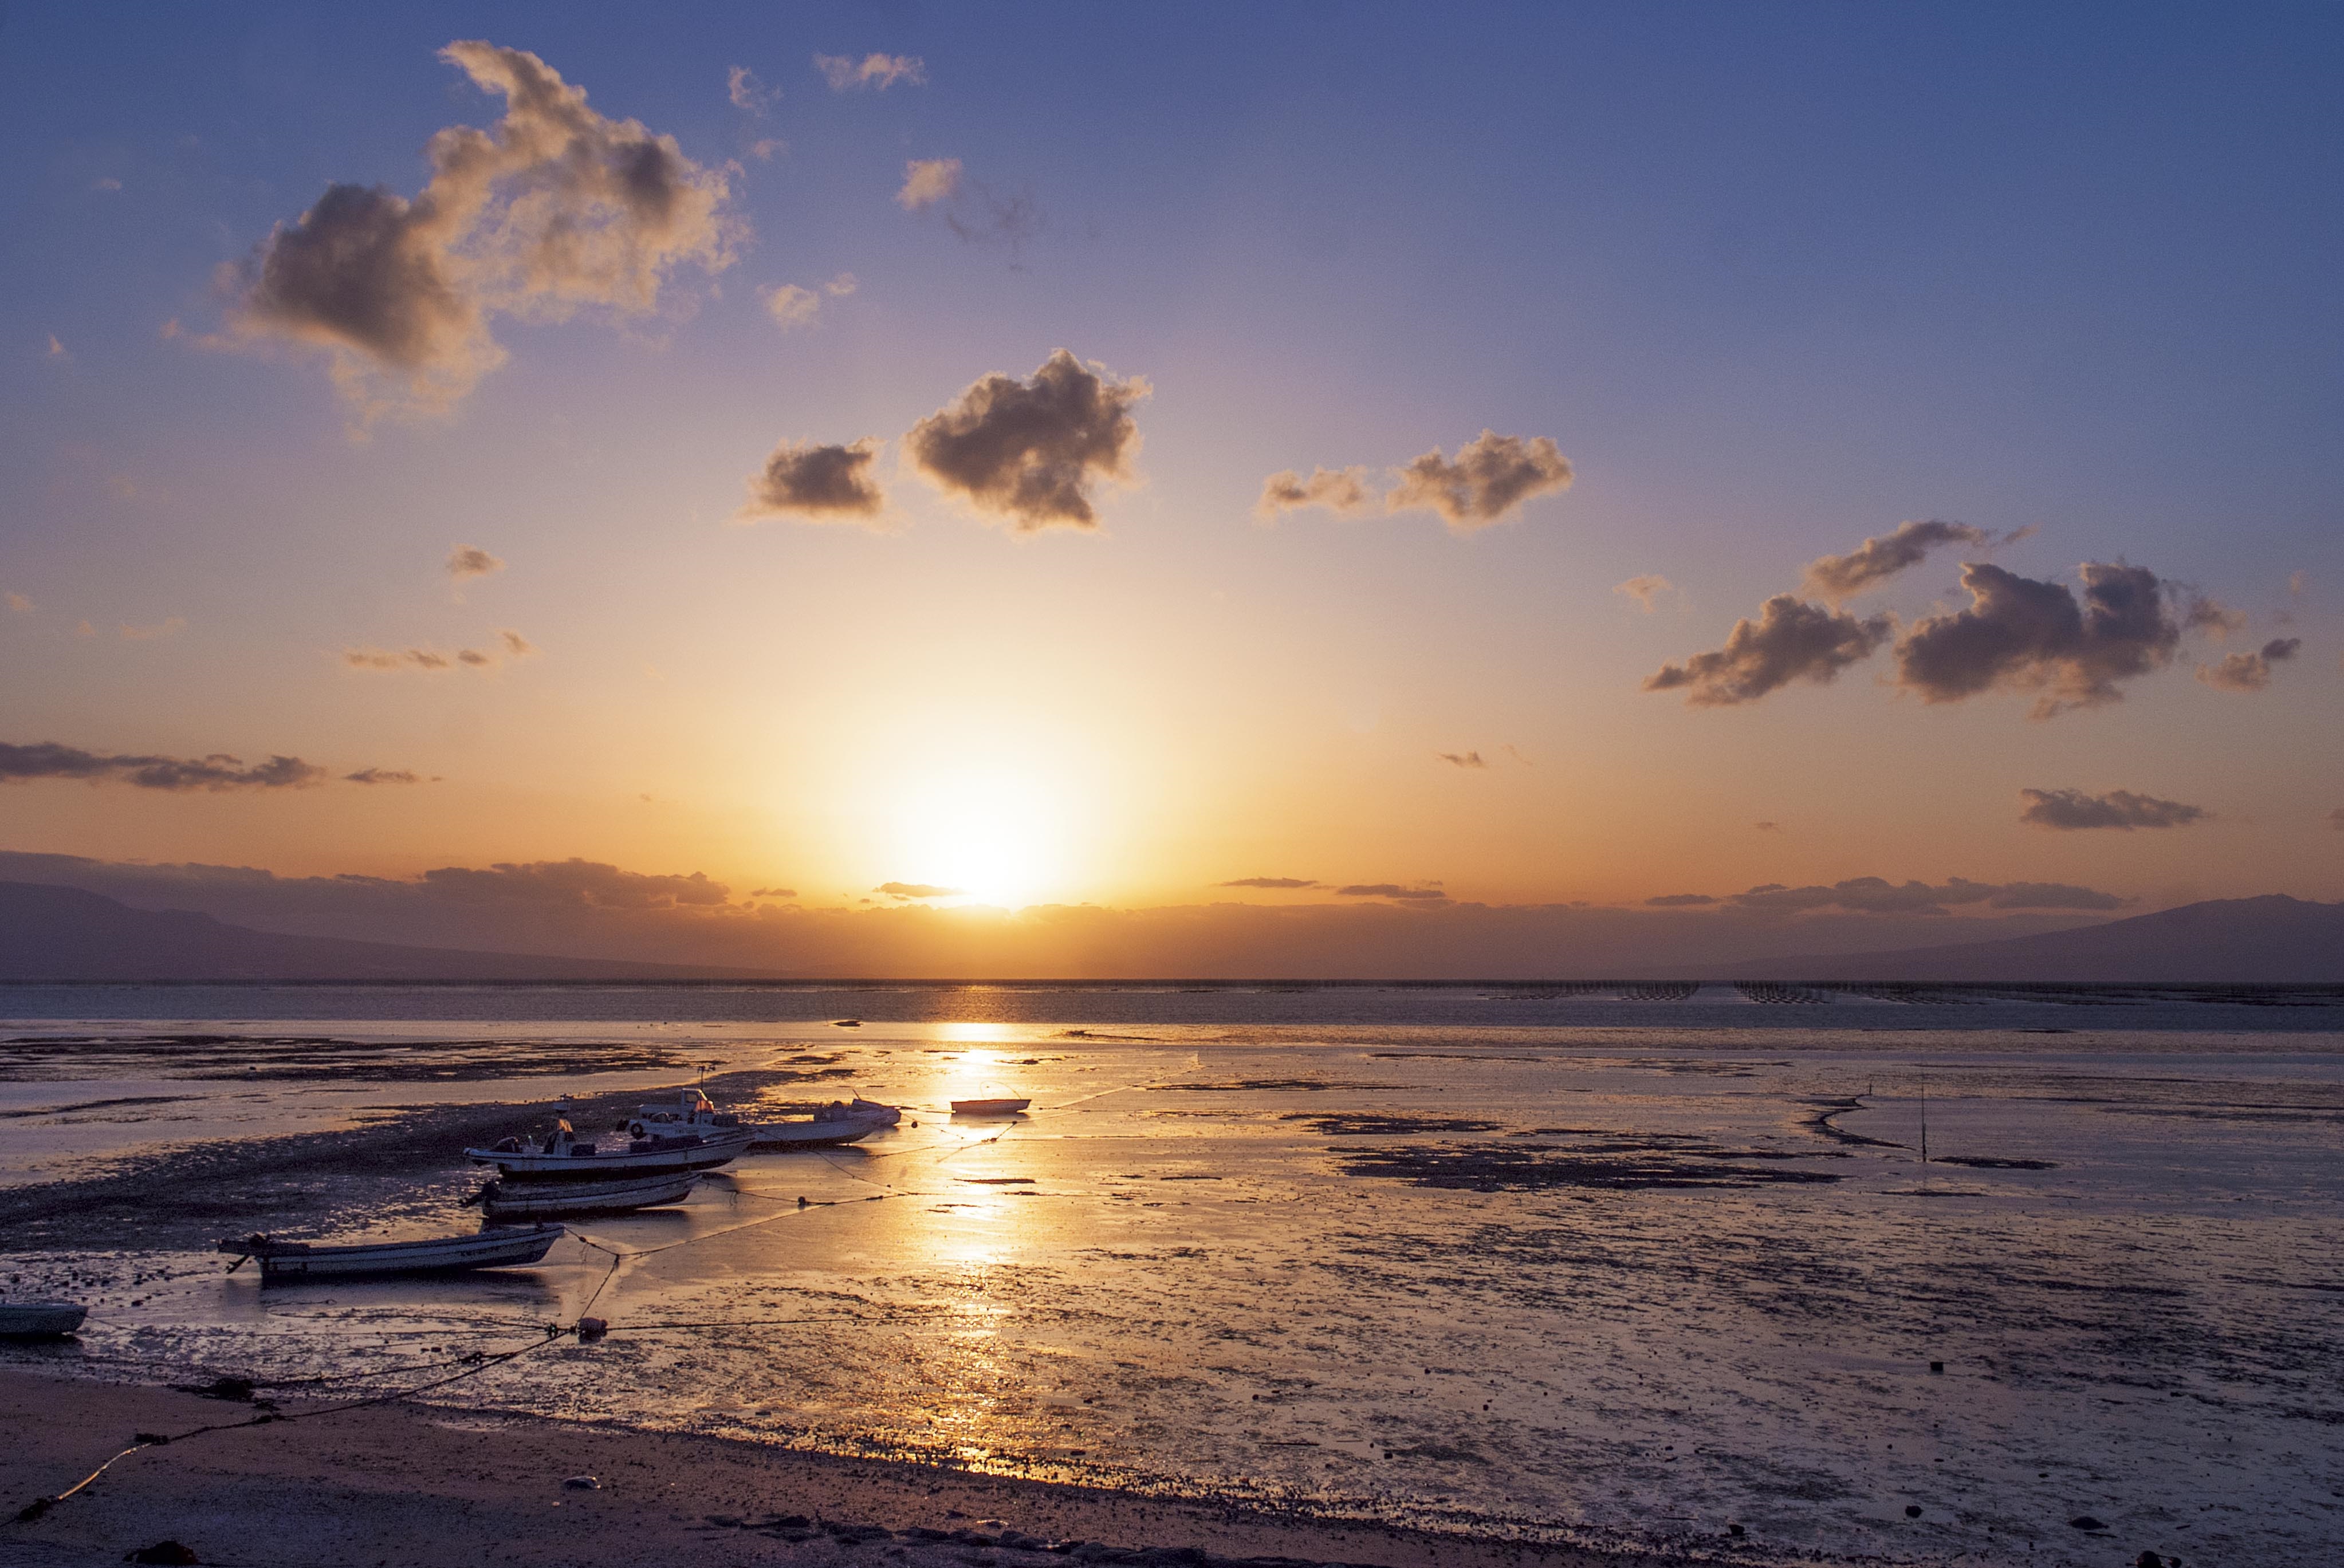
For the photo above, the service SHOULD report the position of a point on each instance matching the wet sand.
(393, 1485)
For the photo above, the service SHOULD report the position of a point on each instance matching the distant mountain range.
(66, 934)
(56, 933)
(2225, 942)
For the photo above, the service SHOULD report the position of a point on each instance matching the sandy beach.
(389, 1484)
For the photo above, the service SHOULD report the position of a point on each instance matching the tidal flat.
(1655, 1276)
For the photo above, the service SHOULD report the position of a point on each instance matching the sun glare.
(995, 835)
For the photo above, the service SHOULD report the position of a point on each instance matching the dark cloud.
(1491, 476)
(1834, 578)
(916, 890)
(2249, 671)
(383, 776)
(1270, 882)
(817, 484)
(2121, 808)
(2201, 612)
(1878, 896)
(845, 73)
(471, 561)
(558, 207)
(1344, 491)
(1679, 900)
(773, 892)
(47, 759)
(1791, 640)
(2022, 635)
(1392, 891)
(572, 883)
(1461, 758)
(1029, 452)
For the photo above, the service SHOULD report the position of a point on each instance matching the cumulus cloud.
(1393, 891)
(1878, 896)
(1680, 901)
(747, 92)
(1834, 578)
(2019, 634)
(1792, 640)
(467, 562)
(2120, 809)
(1030, 452)
(880, 72)
(791, 305)
(383, 776)
(558, 207)
(927, 181)
(1491, 474)
(1648, 591)
(2249, 671)
(1275, 883)
(1461, 758)
(47, 760)
(817, 484)
(909, 890)
(1343, 491)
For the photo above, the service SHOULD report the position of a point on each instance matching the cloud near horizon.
(1876, 894)
(817, 484)
(1275, 883)
(218, 771)
(909, 890)
(2249, 673)
(1792, 640)
(2072, 809)
(1030, 453)
(1432, 894)
(510, 645)
(558, 207)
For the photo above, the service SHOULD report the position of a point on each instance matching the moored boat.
(39, 1320)
(818, 1132)
(503, 1247)
(688, 1135)
(526, 1197)
(989, 1107)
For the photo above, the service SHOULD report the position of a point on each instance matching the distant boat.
(988, 1107)
(494, 1248)
(526, 1197)
(39, 1320)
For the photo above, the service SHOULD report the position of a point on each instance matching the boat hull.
(39, 1320)
(811, 1135)
(287, 1260)
(707, 1154)
(989, 1107)
(524, 1199)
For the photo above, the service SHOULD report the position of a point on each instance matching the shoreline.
(394, 1483)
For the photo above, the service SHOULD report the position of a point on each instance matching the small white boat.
(835, 1124)
(688, 1135)
(39, 1320)
(494, 1248)
(524, 1198)
(989, 1107)
(873, 1110)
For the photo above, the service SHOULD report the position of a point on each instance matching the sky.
(1849, 473)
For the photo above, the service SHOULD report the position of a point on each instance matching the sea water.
(1574, 1267)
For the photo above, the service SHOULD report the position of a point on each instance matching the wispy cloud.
(1834, 578)
(1875, 895)
(219, 771)
(1343, 491)
(1461, 758)
(509, 645)
(2072, 809)
(1646, 591)
(558, 207)
(383, 776)
(748, 93)
(878, 72)
(170, 626)
(2249, 671)
(1428, 894)
(18, 604)
(909, 890)
(1031, 452)
(1270, 884)
(791, 305)
(927, 181)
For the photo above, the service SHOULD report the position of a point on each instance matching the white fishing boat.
(503, 1247)
(989, 1107)
(525, 1198)
(39, 1320)
(688, 1135)
(873, 1111)
(814, 1132)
